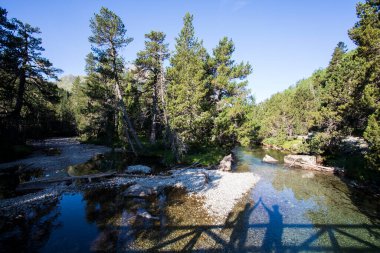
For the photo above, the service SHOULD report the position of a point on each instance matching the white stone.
(269, 159)
(139, 169)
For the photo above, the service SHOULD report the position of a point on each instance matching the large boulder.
(142, 169)
(226, 163)
(308, 159)
(269, 159)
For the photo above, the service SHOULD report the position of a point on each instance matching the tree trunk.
(16, 114)
(127, 122)
(19, 99)
(170, 136)
(125, 117)
(154, 113)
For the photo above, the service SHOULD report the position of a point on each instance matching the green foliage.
(342, 100)
(230, 108)
(188, 105)
(106, 112)
(372, 135)
(27, 95)
(319, 143)
(208, 102)
(150, 74)
(366, 34)
(206, 156)
(291, 113)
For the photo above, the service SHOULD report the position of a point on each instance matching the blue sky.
(284, 41)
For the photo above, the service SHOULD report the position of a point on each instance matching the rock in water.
(53, 151)
(269, 159)
(137, 190)
(312, 160)
(306, 162)
(226, 163)
(139, 169)
(145, 214)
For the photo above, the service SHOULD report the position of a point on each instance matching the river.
(298, 210)
(289, 210)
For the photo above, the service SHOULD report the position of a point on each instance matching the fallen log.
(41, 183)
(302, 162)
(141, 176)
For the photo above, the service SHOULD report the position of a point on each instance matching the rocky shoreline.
(218, 190)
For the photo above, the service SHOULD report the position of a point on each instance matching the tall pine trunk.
(127, 122)
(153, 133)
(16, 114)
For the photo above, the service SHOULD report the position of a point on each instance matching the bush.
(319, 142)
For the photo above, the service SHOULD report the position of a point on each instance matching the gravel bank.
(219, 190)
(223, 190)
(72, 153)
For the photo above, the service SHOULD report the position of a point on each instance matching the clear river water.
(289, 210)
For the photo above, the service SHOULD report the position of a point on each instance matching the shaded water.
(289, 210)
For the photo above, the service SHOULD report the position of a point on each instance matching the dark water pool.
(289, 210)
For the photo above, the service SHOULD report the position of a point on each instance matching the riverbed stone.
(312, 160)
(139, 169)
(140, 191)
(269, 159)
(226, 163)
(53, 151)
(145, 214)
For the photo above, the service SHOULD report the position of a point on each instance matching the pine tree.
(108, 38)
(29, 100)
(79, 102)
(188, 106)
(229, 94)
(150, 68)
(8, 70)
(372, 135)
(366, 34)
(100, 109)
(34, 70)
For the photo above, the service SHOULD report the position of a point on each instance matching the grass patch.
(297, 146)
(205, 156)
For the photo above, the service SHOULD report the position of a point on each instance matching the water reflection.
(105, 221)
(115, 161)
(29, 231)
(286, 212)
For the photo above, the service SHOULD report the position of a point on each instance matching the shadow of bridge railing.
(233, 235)
(230, 245)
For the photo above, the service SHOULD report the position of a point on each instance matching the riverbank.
(177, 210)
(54, 155)
(217, 191)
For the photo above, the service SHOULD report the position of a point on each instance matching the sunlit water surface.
(289, 210)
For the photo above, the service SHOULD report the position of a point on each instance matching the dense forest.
(189, 101)
(319, 113)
